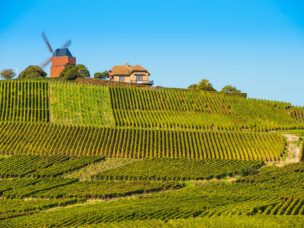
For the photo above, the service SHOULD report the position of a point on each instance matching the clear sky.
(256, 45)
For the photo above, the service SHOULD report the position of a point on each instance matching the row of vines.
(172, 108)
(80, 104)
(202, 200)
(51, 139)
(24, 101)
(177, 169)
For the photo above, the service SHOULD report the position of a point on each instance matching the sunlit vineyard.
(50, 139)
(43, 166)
(177, 169)
(171, 108)
(80, 104)
(50, 188)
(78, 155)
(67, 103)
(202, 200)
(24, 101)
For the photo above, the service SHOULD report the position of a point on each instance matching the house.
(129, 74)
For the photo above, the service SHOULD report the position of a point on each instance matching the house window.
(121, 78)
(139, 78)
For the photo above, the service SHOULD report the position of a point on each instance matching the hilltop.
(166, 154)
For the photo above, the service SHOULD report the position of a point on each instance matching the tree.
(101, 75)
(32, 72)
(192, 87)
(70, 72)
(83, 71)
(230, 89)
(205, 85)
(7, 74)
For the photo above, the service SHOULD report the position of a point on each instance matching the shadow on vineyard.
(80, 154)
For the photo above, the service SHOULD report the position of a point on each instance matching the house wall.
(132, 77)
(145, 76)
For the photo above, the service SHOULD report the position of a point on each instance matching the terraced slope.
(279, 192)
(173, 108)
(177, 169)
(43, 166)
(25, 101)
(50, 139)
(88, 105)
(80, 105)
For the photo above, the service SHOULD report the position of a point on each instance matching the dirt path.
(293, 151)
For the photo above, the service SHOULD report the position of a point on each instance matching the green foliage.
(83, 71)
(23, 165)
(7, 74)
(80, 104)
(178, 169)
(172, 108)
(43, 166)
(110, 163)
(70, 72)
(17, 207)
(142, 108)
(69, 165)
(213, 222)
(32, 72)
(192, 87)
(105, 189)
(279, 192)
(40, 185)
(101, 75)
(248, 171)
(204, 85)
(230, 89)
(138, 143)
(26, 101)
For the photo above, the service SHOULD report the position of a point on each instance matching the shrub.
(101, 75)
(230, 89)
(32, 72)
(7, 74)
(248, 171)
(83, 71)
(70, 72)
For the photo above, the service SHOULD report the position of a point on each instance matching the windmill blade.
(67, 44)
(45, 62)
(47, 42)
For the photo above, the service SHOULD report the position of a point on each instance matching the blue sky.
(256, 45)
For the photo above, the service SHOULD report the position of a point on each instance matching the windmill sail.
(47, 42)
(45, 62)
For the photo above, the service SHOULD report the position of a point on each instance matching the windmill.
(59, 58)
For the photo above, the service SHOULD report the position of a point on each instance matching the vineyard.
(80, 104)
(172, 108)
(50, 139)
(241, 198)
(43, 166)
(74, 154)
(177, 169)
(24, 101)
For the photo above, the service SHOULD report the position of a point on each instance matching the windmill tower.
(59, 58)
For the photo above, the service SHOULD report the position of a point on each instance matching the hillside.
(169, 157)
